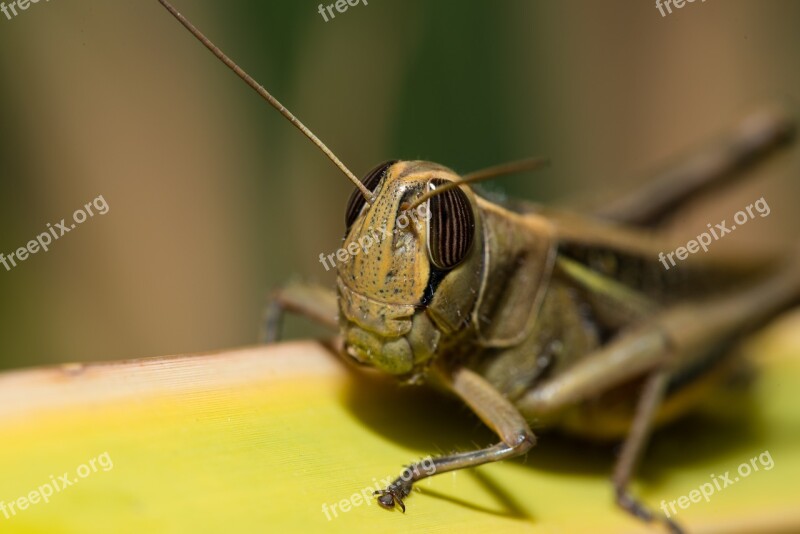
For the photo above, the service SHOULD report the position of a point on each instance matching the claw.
(390, 497)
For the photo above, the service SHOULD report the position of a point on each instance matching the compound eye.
(451, 228)
(370, 181)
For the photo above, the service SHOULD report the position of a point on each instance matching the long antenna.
(268, 97)
(484, 174)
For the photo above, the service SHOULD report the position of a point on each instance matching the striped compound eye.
(370, 181)
(451, 227)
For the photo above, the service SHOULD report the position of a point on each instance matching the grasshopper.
(534, 315)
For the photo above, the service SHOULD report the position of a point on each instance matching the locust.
(535, 316)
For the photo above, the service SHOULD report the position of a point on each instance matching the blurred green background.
(214, 199)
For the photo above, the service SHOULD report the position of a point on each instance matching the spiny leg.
(664, 344)
(646, 351)
(634, 354)
(756, 137)
(316, 302)
(675, 337)
(493, 409)
(634, 445)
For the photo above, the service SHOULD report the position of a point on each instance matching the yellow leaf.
(287, 438)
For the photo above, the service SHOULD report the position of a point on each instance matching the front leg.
(493, 409)
(316, 302)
